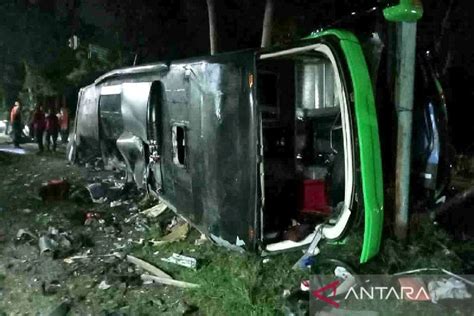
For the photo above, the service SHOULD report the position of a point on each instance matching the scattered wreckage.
(241, 143)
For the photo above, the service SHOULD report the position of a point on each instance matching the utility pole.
(211, 10)
(267, 24)
(405, 15)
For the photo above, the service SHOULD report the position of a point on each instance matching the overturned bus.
(240, 144)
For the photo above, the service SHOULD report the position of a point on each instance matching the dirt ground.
(34, 283)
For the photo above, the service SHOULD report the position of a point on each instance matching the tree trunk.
(212, 25)
(267, 24)
(445, 28)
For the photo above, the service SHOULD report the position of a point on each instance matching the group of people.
(43, 125)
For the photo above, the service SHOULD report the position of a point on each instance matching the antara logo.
(385, 293)
(319, 293)
(370, 293)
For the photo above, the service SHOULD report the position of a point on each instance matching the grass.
(230, 283)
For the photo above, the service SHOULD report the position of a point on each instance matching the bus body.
(241, 144)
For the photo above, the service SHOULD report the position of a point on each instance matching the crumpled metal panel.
(134, 107)
(133, 152)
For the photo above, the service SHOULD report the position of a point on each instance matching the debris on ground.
(447, 288)
(86, 235)
(25, 235)
(71, 259)
(304, 286)
(179, 232)
(201, 240)
(47, 244)
(27, 210)
(159, 275)
(167, 281)
(147, 267)
(103, 285)
(54, 190)
(346, 312)
(184, 261)
(98, 192)
(156, 210)
(348, 280)
(50, 287)
(436, 269)
(55, 242)
(116, 203)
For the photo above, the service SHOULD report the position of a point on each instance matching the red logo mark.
(319, 293)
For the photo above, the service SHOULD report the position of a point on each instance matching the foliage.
(36, 61)
(27, 35)
(35, 85)
(89, 67)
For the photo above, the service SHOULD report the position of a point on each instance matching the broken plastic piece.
(156, 210)
(23, 234)
(201, 240)
(115, 203)
(181, 260)
(179, 233)
(97, 192)
(348, 280)
(450, 288)
(104, 285)
(46, 244)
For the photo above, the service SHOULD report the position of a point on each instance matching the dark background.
(37, 64)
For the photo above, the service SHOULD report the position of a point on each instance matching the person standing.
(38, 124)
(52, 129)
(7, 120)
(16, 123)
(64, 123)
(31, 130)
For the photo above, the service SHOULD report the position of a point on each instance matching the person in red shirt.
(64, 123)
(16, 123)
(52, 129)
(39, 124)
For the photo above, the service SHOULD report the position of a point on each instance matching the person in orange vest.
(16, 123)
(64, 123)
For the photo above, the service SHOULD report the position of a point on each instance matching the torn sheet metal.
(225, 243)
(133, 153)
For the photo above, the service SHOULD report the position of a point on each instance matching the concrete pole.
(211, 10)
(404, 91)
(267, 24)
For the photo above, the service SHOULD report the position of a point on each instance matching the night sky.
(153, 30)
